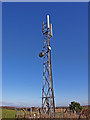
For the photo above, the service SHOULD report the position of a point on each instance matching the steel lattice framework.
(48, 105)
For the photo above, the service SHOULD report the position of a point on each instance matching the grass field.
(59, 113)
(11, 113)
(0, 113)
(8, 113)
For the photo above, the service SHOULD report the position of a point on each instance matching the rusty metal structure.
(48, 104)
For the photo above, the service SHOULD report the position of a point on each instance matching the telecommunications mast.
(48, 105)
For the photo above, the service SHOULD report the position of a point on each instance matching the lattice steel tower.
(48, 105)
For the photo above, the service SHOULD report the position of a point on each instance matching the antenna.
(51, 30)
(47, 21)
(43, 26)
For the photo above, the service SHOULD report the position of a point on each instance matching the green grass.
(10, 113)
(0, 113)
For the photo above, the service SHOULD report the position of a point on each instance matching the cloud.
(6, 103)
(18, 104)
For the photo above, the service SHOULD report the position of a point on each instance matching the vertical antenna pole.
(51, 30)
(47, 21)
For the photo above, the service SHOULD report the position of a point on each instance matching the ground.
(60, 113)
